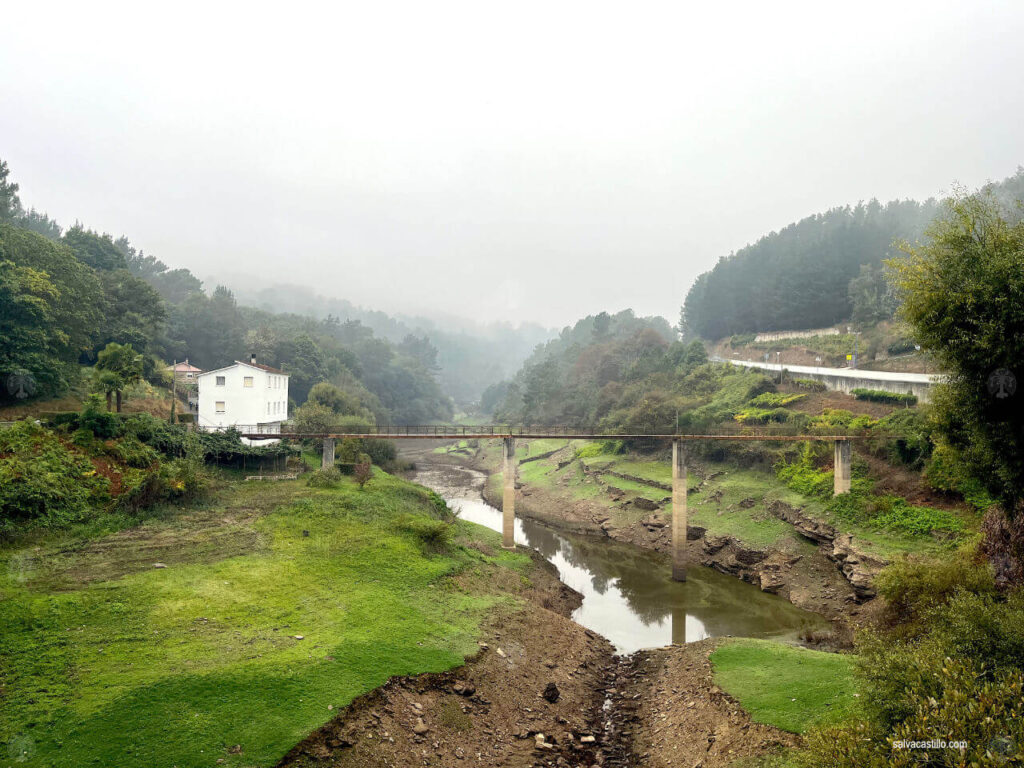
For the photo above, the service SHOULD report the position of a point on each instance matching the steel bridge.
(508, 434)
(532, 432)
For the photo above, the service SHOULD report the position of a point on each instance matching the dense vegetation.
(963, 293)
(612, 370)
(67, 295)
(814, 273)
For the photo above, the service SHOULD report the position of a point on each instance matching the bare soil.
(532, 695)
(678, 717)
(544, 691)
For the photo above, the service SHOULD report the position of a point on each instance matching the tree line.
(819, 271)
(75, 297)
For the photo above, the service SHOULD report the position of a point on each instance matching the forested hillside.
(67, 295)
(470, 355)
(605, 369)
(821, 270)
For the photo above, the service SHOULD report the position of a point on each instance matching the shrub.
(589, 451)
(901, 347)
(363, 473)
(944, 471)
(894, 514)
(97, 419)
(44, 482)
(775, 399)
(762, 416)
(325, 478)
(913, 586)
(952, 702)
(881, 396)
(832, 418)
(760, 387)
(435, 535)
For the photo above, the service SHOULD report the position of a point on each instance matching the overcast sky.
(508, 161)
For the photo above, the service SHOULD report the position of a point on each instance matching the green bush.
(325, 478)
(881, 396)
(42, 481)
(775, 399)
(901, 347)
(435, 535)
(946, 472)
(589, 451)
(760, 387)
(741, 339)
(762, 416)
(831, 420)
(946, 700)
(946, 665)
(914, 586)
(97, 419)
(891, 513)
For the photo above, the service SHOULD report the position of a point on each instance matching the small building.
(185, 383)
(184, 370)
(243, 394)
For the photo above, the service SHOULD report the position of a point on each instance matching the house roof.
(262, 367)
(257, 366)
(184, 368)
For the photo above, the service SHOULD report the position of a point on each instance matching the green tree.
(27, 333)
(963, 295)
(118, 366)
(98, 251)
(10, 204)
(73, 299)
(871, 296)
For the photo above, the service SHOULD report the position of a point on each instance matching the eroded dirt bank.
(544, 691)
(532, 695)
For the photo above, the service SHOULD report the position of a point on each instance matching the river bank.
(546, 689)
(827, 576)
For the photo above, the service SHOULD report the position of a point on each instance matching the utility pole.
(174, 388)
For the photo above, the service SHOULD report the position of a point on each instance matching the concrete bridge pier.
(678, 511)
(842, 474)
(508, 502)
(328, 454)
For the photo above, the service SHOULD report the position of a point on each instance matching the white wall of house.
(241, 394)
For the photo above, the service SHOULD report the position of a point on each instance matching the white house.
(242, 394)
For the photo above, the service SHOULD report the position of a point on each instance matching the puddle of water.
(628, 595)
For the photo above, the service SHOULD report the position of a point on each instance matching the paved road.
(847, 373)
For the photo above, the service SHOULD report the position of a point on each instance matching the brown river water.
(628, 594)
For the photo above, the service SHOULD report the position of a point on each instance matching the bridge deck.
(440, 432)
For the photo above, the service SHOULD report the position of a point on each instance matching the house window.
(189, 375)
(247, 381)
(219, 406)
(221, 381)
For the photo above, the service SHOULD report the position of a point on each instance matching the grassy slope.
(715, 506)
(105, 660)
(789, 687)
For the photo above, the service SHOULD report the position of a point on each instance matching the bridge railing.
(446, 431)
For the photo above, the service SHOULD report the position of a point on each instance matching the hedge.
(881, 396)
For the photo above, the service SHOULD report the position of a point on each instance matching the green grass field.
(786, 686)
(248, 635)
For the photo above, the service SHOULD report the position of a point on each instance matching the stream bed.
(628, 594)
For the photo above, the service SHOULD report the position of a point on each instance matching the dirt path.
(667, 700)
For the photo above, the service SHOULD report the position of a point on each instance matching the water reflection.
(628, 595)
